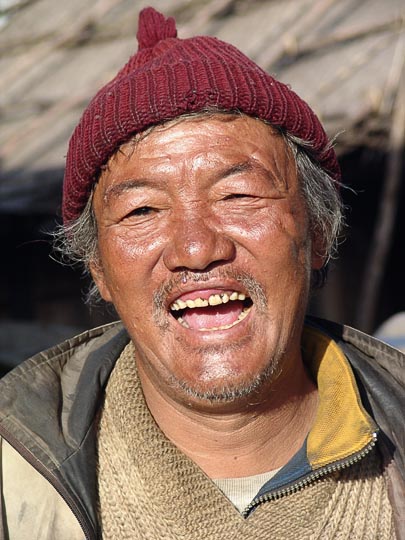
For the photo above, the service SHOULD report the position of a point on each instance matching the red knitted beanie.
(168, 77)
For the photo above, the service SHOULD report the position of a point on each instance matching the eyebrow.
(115, 190)
(251, 165)
(245, 166)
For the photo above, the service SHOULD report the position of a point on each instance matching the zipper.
(311, 477)
(53, 480)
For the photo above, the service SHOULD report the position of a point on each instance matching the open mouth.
(208, 312)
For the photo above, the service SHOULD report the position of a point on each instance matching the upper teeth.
(213, 300)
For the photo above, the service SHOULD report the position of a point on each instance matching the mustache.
(254, 289)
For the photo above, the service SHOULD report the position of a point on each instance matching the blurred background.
(345, 57)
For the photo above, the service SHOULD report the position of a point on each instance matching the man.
(202, 195)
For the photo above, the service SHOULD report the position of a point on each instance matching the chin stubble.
(227, 393)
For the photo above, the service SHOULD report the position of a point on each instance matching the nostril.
(205, 269)
(198, 249)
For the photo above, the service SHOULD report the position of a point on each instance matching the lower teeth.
(225, 327)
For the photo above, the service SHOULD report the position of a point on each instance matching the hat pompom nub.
(154, 27)
(168, 77)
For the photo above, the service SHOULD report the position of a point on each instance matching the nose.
(196, 245)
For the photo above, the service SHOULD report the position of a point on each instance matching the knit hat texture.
(168, 77)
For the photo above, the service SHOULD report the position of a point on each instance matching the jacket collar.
(342, 427)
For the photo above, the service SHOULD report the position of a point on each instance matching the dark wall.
(41, 301)
(364, 173)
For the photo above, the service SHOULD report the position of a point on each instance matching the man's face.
(206, 254)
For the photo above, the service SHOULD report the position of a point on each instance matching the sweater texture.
(148, 489)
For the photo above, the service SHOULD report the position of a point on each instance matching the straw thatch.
(345, 57)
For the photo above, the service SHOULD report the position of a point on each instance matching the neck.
(257, 438)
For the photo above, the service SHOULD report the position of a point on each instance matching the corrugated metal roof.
(344, 57)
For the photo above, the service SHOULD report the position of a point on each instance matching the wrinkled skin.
(193, 206)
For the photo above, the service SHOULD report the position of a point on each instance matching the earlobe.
(318, 261)
(98, 276)
(319, 255)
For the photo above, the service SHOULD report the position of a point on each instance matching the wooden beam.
(382, 237)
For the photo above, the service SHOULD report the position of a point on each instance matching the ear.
(319, 255)
(97, 273)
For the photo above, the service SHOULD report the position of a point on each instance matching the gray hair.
(323, 202)
(77, 242)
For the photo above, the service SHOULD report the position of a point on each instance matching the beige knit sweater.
(149, 490)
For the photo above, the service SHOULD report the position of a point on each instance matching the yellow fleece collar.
(342, 426)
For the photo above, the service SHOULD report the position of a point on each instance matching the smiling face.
(206, 254)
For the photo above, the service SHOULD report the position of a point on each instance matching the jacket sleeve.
(31, 508)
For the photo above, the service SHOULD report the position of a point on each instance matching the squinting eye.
(237, 196)
(142, 211)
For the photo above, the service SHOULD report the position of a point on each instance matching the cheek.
(124, 254)
(274, 233)
(128, 269)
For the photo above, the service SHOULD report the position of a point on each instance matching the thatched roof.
(345, 57)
